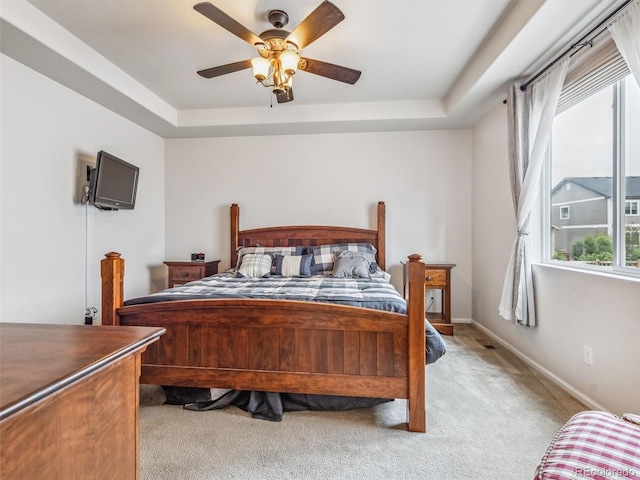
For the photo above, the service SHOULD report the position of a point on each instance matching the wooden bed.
(285, 346)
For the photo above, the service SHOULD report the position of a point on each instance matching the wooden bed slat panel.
(287, 349)
(173, 349)
(195, 346)
(335, 352)
(233, 350)
(351, 353)
(263, 345)
(209, 355)
(303, 360)
(319, 351)
(400, 355)
(368, 354)
(385, 356)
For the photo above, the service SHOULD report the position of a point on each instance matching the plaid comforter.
(375, 292)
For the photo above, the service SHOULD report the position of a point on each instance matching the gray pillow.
(351, 264)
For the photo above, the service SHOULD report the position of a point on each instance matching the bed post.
(416, 405)
(112, 272)
(382, 245)
(235, 233)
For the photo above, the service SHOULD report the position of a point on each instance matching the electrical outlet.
(588, 355)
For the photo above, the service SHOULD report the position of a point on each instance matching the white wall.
(574, 308)
(423, 177)
(42, 251)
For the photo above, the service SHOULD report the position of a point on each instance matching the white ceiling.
(425, 63)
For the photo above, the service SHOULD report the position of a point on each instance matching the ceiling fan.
(278, 49)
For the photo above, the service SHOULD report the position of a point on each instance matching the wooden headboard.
(307, 235)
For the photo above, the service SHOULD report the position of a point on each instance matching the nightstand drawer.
(435, 278)
(186, 273)
(183, 272)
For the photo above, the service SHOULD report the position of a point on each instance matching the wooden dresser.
(183, 272)
(69, 399)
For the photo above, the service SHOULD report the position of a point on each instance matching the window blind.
(591, 70)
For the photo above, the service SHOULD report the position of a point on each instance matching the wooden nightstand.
(437, 277)
(183, 272)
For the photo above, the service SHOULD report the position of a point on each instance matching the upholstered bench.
(594, 445)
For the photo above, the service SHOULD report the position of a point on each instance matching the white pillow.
(255, 266)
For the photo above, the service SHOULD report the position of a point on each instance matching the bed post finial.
(417, 416)
(112, 272)
(235, 233)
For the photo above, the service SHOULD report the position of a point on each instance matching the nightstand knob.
(185, 274)
(429, 278)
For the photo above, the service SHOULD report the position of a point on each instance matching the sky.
(582, 136)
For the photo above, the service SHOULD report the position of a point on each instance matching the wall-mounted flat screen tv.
(113, 184)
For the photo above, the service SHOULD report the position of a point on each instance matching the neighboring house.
(582, 206)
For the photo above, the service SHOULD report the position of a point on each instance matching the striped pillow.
(293, 265)
(273, 251)
(255, 266)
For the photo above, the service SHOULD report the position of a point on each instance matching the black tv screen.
(114, 183)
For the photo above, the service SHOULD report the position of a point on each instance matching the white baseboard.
(574, 392)
(461, 320)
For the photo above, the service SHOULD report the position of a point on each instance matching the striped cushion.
(255, 266)
(593, 445)
(293, 265)
(273, 251)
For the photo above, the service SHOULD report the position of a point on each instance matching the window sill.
(591, 271)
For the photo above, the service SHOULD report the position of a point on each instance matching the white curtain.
(625, 31)
(530, 118)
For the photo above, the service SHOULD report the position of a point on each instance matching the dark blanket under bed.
(264, 405)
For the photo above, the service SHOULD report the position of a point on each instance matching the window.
(594, 168)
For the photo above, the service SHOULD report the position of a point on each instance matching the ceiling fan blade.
(317, 23)
(329, 70)
(216, 15)
(285, 96)
(224, 69)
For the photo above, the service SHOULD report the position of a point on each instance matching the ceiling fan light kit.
(278, 49)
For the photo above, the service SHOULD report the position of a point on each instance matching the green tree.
(592, 248)
(632, 243)
(577, 249)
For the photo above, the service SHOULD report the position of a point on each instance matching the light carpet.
(489, 416)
